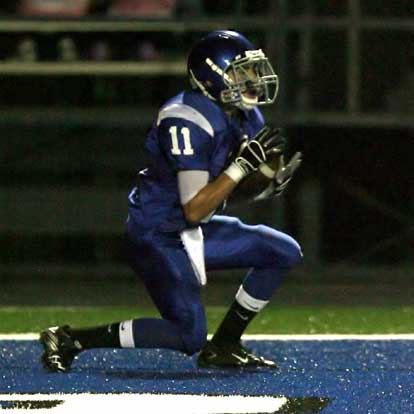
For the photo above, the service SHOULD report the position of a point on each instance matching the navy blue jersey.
(191, 133)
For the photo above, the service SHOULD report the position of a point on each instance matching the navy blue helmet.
(227, 68)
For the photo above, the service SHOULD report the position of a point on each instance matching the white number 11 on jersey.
(175, 149)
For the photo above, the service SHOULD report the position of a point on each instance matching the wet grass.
(273, 320)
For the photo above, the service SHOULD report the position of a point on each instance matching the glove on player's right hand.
(282, 178)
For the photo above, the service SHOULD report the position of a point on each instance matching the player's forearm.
(208, 198)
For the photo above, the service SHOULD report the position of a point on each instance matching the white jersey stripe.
(183, 111)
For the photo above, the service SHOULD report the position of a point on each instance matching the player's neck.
(233, 113)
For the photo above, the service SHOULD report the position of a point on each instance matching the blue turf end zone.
(348, 376)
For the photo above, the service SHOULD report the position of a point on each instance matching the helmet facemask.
(250, 81)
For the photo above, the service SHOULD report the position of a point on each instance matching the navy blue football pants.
(162, 263)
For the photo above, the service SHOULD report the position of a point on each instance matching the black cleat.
(60, 348)
(231, 356)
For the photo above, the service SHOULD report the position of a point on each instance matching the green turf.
(273, 320)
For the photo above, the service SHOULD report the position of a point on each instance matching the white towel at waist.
(193, 241)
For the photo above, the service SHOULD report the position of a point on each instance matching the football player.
(204, 143)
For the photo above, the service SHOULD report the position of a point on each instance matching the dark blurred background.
(81, 81)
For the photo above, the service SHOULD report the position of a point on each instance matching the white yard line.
(19, 337)
(332, 337)
(310, 337)
(143, 403)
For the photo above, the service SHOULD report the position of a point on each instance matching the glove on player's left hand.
(266, 144)
(271, 140)
(250, 156)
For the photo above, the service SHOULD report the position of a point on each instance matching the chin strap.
(244, 105)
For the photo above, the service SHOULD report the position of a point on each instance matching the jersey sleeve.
(186, 145)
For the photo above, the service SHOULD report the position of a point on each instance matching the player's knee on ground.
(192, 324)
(194, 341)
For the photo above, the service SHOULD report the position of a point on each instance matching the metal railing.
(276, 27)
(150, 68)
